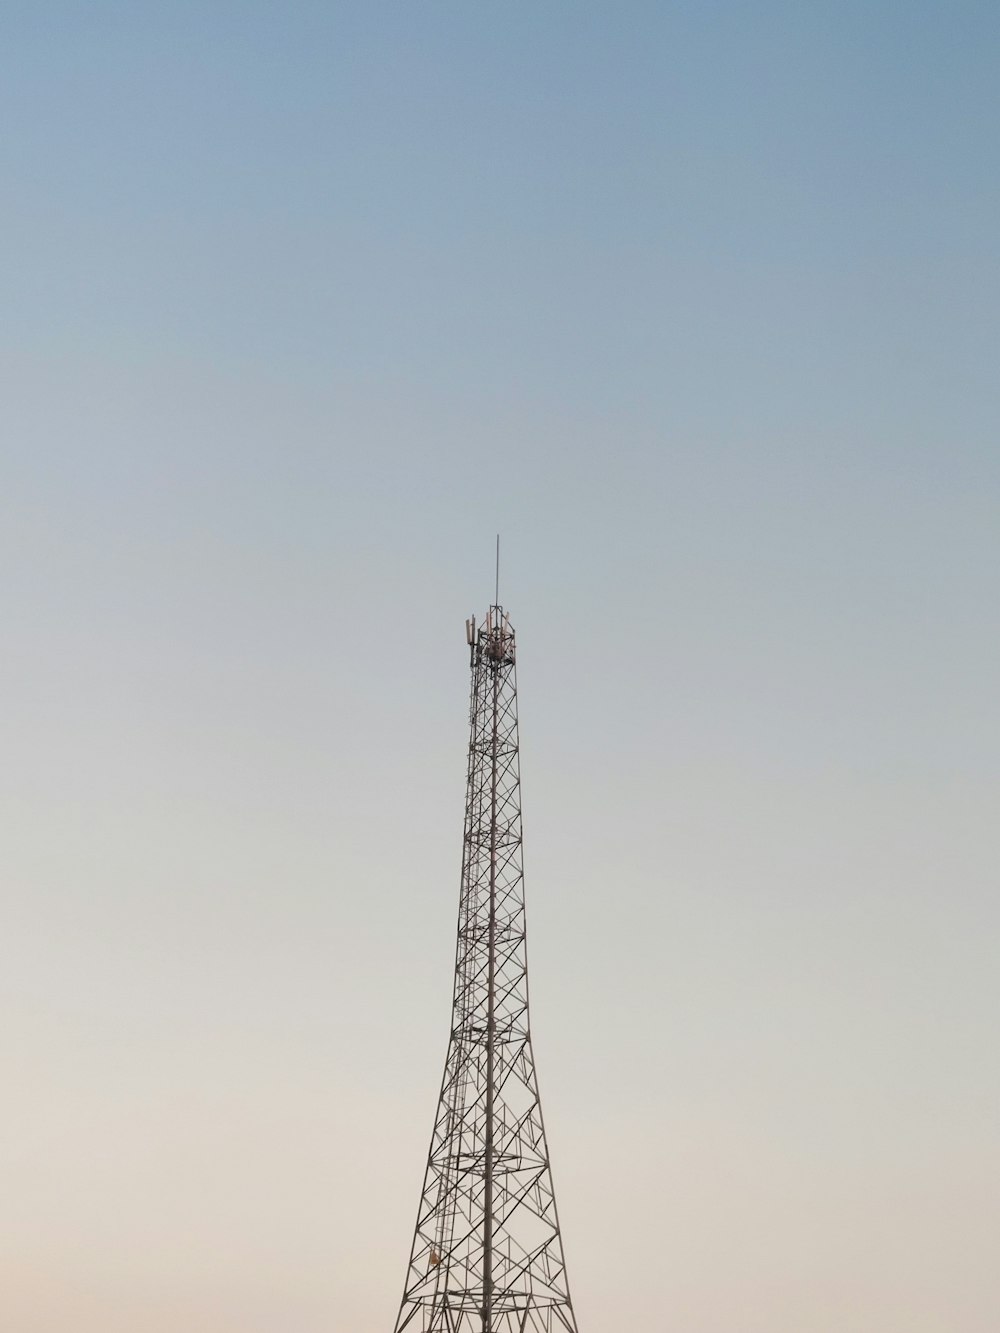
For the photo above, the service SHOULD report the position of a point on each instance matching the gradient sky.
(698, 305)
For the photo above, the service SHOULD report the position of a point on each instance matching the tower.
(487, 1251)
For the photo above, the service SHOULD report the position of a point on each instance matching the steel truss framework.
(487, 1252)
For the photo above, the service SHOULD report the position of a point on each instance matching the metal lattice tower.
(487, 1252)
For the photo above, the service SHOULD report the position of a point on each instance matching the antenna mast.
(487, 1251)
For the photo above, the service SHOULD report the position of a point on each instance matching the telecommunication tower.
(487, 1251)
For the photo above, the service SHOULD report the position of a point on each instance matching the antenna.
(487, 1252)
(496, 598)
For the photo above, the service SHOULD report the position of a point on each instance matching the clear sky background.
(697, 304)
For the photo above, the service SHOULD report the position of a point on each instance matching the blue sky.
(698, 307)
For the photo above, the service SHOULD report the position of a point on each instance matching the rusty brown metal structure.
(487, 1252)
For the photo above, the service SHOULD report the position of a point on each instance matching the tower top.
(493, 640)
